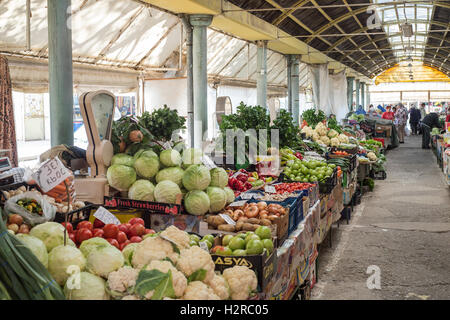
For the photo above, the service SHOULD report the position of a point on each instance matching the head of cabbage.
(217, 199)
(192, 156)
(51, 234)
(166, 191)
(36, 246)
(141, 190)
(128, 252)
(142, 150)
(174, 174)
(170, 158)
(230, 195)
(219, 178)
(104, 260)
(196, 177)
(85, 286)
(196, 202)
(147, 166)
(123, 159)
(64, 260)
(121, 177)
(91, 244)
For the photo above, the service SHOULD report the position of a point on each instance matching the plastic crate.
(326, 186)
(76, 216)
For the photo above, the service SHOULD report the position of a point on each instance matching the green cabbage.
(63, 261)
(166, 191)
(36, 246)
(85, 286)
(142, 190)
(147, 166)
(230, 195)
(149, 154)
(196, 202)
(104, 260)
(196, 177)
(219, 178)
(123, 159)
(170, 158)
(121, 177)
(51, 234)
(217, 199)
(192, 156)
(141, 151)
(91, 244)
(174, 174)
(128, 252)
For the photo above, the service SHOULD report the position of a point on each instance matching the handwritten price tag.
(270, 189)
(51, 173)
(227, 219)
(105, 216)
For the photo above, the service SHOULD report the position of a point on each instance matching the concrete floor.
(402, 229)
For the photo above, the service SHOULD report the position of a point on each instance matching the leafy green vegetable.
(313, 117)
(332, 124)
(198, 275)
(162, 122)
(288, 132)
(156, 280)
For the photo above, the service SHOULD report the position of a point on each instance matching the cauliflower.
(131, 297)
(308, 131)
(179, 281)
(343, 138)
(315, 137)
(220, 287)
(153, 248)
(121, 282)
(372, 156)
(334, 142)
(197, 263)
(325, 140)
(197, 290)
(181, 238)
(242, 281)
(320, 129)
(333, 134)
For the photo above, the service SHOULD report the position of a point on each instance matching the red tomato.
(69, 227)
(151, 231)
(83, 234)
(135, 239)
(98, 233)
(136, 220)
(72, 237)
(85, 225)
(124, 228)
(111, 231)
(113, 242)
(98, 223)
(137, 230)
(123, 245)
(121, 237)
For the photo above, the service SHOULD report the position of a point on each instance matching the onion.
(261, 205)
(13, 227)
(24, 229)
(15, 219)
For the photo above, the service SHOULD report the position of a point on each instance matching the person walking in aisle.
(388, 115)
(401, 118)
(430, 121)
(423, 113)
(414, 118)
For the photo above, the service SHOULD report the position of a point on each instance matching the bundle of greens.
(287, 131)
(332, 124)
(313, 117)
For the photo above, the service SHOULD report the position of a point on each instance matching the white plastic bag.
(407, 131)
(32, 219)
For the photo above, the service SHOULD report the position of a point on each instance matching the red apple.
(137, 230)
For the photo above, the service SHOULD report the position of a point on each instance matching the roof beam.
(286, 13)
(232, 58)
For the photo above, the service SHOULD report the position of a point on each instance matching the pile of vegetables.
(16, 224)
(323, 135)
(312, 117)
(308, 171)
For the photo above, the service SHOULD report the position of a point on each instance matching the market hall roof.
(345, 30)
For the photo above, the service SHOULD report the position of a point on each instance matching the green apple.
(208, 243)
(209, 237)
(251, 237)
(225, 251)
(194, 237)
(239, 252)
(237, 243)
(193, 243)
(226, 239)
(242, 235)
(263, 232)
(254, 247)
(268, 244)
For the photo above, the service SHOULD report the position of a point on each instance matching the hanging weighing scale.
(97, 110)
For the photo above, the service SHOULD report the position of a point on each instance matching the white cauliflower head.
(131, 297)
(179, 281)
(320, 129)
(333, 134)
(197, 290)
(343, 138)
(372, 156)
(308, 131)
(334, 142)
(242, 282)
(198, 261)
(153, 248)
(181, 238)
(220, 287)
(121, 282)
(325, 140)
(315, 137)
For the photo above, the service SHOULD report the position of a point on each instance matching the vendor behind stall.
(388, 115)
(430, 121)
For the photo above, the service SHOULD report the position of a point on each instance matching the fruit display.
(308, 171)
(16, 225)
(242, 180)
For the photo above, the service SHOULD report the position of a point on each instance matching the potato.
(266, 222)
(22, 188)
(226, 227)
(239, 225)
(254, 221)
(249, 227)
(215, 221)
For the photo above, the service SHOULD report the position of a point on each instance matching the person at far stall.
(430, 121)
(401, 118)
(414, 118)
(447, 119)
(371, 109)
(388, 115)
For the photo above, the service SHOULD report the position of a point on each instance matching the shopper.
(388, 115)
(414, 118)
(430, 121)
(447, 119)
(401, 118)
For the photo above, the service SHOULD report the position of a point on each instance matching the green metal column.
(200, 22)
(295, 85)
(363, 96)
(367, 95)
(261, 80)
(60, 72)
(350, 93)
(289, 83)
(189, 79)
(357, 90)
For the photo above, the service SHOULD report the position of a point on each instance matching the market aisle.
(403, 227)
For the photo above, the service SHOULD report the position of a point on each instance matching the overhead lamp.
(410, 65)
(410, 49)
(407, 30)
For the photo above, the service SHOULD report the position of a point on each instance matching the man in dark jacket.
(414, 118)
(430, 121)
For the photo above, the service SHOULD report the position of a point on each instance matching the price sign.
(238, 203)
(227, 219)
(270, 189)
(249, 195)
(207, 162)
(105, 216)
(51, 173)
